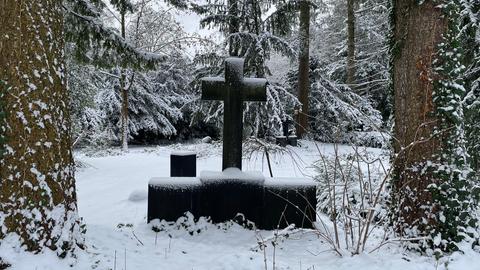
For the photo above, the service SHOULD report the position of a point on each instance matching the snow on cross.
(233, 90)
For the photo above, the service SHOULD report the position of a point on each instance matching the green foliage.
(99, 45)
(123, 6)
(251, 32)
(450, 215)
(455, 196)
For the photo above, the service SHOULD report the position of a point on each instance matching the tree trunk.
(350, 43)
(124, 93)
(37, 185)
(234, 26)
(304, 68)
(417, 32)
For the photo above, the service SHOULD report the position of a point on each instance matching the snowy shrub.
(350, 193)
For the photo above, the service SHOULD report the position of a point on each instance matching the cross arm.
(254, 89)
(213, 88)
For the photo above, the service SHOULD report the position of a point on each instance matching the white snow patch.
(138, 195)
(231, 174)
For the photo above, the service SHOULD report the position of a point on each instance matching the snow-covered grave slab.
(170, 197)
(232, 174)
(270, 203)
(293, 199)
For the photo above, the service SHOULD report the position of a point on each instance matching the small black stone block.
(281, 140)
(169, 203)
(293, 141)
(183, 165)
(223, 200)
(285, 205)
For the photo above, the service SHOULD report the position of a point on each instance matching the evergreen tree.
(37, 185)
(337, 114)
(95, 43)
(124, 7)
(155, 97)
(252, 31)
(330, 45)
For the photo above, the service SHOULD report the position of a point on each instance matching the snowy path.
(117, 229)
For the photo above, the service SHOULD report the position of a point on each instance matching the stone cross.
(234, 89)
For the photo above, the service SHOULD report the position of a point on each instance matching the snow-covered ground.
(112, 200)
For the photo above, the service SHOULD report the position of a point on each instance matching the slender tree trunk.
(234, 26)
(259, 60)
(124, 92)
(350, 43)
(37, 185)
(304, 68)
(418, 30)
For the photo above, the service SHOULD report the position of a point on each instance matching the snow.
(184, 182)
(117, 236)
(138, 195)
(232, 174)
(183, 153)
(289, 181)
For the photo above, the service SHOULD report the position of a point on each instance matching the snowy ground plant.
(349, 195)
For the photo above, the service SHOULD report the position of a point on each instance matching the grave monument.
(268, 202)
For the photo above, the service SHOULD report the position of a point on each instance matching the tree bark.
(350, 43)
(234, 26)
(124, 93)
(37, 185)
(418, 30)
(304, 68)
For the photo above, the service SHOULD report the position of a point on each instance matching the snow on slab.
(173, 182)
(183, 153)
(232, 174)
(289, 182)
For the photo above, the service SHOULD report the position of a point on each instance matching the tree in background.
(155, 97)
(260, 30)
(471, 77)
(330, 46)
(350, 43)
(434, 195)
(304, 68)
(124, 7)
(37, 187)
(337, 114)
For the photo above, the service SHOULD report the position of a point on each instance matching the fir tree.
(371, 56)
(338, 114)
(252, 32)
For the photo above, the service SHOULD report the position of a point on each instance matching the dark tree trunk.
(350, 43)
(304, 68)
(37, 185)
(234, 26)
(417, 32)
